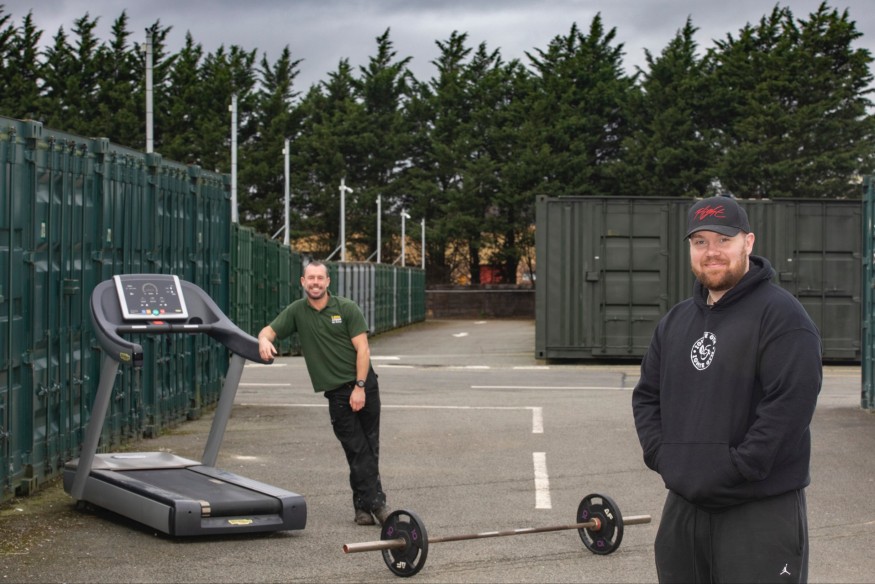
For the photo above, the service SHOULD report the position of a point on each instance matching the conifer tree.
(669, 152)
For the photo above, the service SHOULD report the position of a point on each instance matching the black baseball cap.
(719, 214)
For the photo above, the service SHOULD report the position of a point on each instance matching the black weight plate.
(410, 559)
(607, 538)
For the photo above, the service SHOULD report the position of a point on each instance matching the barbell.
(404, 540)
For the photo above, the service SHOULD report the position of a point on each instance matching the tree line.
(777, 109)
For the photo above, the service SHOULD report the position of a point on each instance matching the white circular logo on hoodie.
(703, 351)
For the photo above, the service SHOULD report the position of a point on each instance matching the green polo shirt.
(325, 337)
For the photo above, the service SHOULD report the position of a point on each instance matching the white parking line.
(542, 481)
(537, 411)
(590, 387)
(254, 364)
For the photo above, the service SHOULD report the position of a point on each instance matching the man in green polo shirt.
(334, 339)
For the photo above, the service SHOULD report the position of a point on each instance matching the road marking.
(459, 335)
(542, 481)
(386, 358)
(537, 411)
(254, 364)
(590, 387)
(537, 420)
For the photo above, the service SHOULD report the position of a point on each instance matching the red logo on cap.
(706, 212)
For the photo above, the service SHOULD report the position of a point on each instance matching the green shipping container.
(608, 268)
(867, 397)
(73, 212)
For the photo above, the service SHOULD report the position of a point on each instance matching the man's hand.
(357, 399)
(266, 348)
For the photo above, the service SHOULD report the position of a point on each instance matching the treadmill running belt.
(225, 499)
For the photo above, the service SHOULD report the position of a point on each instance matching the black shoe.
(382, 514)
(362, 517)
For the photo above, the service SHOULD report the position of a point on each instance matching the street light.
(404, 216)
(149, 89)
(343, 190)
(287, 192)
(233, 109)
(379, 226)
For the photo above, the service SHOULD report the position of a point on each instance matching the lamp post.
(343, 190)
(149, 89)
(379, 227)
(287, 193)
(404, 216)
(233, 109)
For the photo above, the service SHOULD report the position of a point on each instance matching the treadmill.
(175, 495)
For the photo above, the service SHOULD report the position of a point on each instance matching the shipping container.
(608, 268)
(867, 394)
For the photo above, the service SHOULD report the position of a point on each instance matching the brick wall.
(480, 303)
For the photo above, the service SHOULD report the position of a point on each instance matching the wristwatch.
(360, 383)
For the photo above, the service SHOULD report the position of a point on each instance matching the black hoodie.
(727, 393)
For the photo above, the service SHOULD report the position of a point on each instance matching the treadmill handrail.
(205, 317)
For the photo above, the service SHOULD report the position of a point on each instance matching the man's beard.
(723, 280)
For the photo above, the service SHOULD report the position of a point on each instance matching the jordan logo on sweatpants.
(784, 571)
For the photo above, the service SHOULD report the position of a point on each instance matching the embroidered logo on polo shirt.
(336, 319)
(703, 351)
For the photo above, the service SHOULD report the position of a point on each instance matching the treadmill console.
(150, 297)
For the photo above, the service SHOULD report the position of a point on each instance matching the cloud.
(322, 32)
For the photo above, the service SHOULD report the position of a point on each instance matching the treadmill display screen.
(150, 297)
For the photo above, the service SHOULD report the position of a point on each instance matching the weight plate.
(608, 536)
(410, 559)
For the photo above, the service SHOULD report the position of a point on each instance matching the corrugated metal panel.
(867, 397)
(383, 300)
(609, 268)
(60, 268)
(240, 278)
(73, 212)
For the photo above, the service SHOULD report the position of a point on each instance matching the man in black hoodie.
(727, 391)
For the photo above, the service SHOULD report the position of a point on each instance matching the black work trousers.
(359, 434)
(759, 541)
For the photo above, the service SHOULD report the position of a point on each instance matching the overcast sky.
(322, 32)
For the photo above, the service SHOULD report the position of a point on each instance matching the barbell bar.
(404, 540)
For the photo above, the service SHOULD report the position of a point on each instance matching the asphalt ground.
(477, 435)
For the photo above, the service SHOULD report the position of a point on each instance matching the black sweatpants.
(760, 541)
(359, 434)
